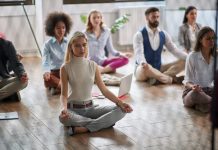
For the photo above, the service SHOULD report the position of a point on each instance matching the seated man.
(148, 45)
(10, 85)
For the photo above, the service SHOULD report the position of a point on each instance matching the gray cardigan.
(184, 35)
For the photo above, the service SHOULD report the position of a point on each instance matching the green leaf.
(83, 18)
(119, 23)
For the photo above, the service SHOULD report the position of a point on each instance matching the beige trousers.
(10, 86)
(165, 75)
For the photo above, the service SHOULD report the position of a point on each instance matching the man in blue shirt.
(10, 85)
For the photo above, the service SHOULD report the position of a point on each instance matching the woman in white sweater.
(78, 111)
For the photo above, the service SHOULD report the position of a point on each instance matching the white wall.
(16, 28)
(200, 4)
(174, 19)
(174, 15)
(110, 13)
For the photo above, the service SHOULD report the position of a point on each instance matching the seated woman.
(78, 112)
(57, 25)
(189, 30)
(199, 72)
(99, 38)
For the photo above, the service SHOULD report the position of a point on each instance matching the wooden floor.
(159, 120)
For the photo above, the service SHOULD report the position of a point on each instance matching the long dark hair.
(201, 34)
(190, 8)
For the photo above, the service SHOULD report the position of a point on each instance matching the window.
(102, 1)
(16, 2)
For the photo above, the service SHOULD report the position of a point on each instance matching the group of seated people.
(75, 65)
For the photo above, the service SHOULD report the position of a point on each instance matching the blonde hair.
(89, 26)
(69, 53)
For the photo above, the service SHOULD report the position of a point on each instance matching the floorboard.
(159, 120)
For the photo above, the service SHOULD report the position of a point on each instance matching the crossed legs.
(166, 74)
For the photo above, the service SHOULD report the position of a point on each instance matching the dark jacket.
(8, 59)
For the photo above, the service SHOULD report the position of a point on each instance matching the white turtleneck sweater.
(81, 77)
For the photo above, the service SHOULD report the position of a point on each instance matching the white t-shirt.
(192, 35)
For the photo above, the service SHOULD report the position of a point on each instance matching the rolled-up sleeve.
(139, 48)
(109, 45)
(181, 37)
(189, 70)
(45, 58)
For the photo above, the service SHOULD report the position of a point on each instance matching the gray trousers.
(94, 118)
(10, 86)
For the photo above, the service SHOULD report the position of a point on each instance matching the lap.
(81, 117)
(95, 112)
(6, 81)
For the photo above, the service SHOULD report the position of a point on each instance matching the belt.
(72, 105)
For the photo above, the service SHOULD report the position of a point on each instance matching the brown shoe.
(178, 80)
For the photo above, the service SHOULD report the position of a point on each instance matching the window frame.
(16, 2)
(102, 1)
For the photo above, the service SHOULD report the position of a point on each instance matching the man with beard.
(148, 45)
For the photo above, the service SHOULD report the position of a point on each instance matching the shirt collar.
(55, 40)
(102, 29)
(200, 56)
(151, 31)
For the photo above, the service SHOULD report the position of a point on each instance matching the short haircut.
(150, 10)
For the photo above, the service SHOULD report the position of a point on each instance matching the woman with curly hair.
(57, 26)
(99, 38)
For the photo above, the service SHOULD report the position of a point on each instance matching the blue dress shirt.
(53, 54)
(97, 46)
